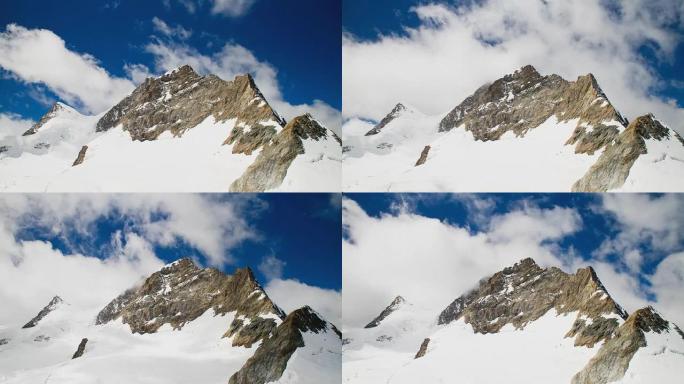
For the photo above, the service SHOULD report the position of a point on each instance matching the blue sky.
(301, 40)
(433, 247)
(301, 230)
(634, 48)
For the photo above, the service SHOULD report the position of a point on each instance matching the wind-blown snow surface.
(194, 354)
(539, 161)
(198, 161)
(537, 354)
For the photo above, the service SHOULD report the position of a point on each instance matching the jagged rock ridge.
(396, 111)
(181, 292)
(51, 306)
(270, 360)
(181, 99)
(270, 168)
(51, 113)
(525, 292)
(525, 99)
(394, 305)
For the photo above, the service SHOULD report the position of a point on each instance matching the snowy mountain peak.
(181, 99)
(56, 109)
(51, 306)
(396, 112)
(394, 305)
(525, 292)
(181, 292)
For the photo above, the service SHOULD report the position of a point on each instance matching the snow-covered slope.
(523, 132)
(175, 133)
(524, 324)
(183, 324)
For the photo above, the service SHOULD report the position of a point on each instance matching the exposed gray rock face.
(270, 168)
(346, 341)
(525, 292)
(612, 168)
(612, 360)
(525, 99)
(270, 360)
(54, 110)
(423, 348)
(41, 338)
(396, 111)
(394, 305)
(423, 156)
(181, 292)
(52, 305)
(81, 349)
(81, 156)
(4, 341)
(180, 100)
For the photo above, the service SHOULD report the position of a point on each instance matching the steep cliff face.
(394, 305)
(181, 99)
(51, 306)
(181, 292)
(270, 361)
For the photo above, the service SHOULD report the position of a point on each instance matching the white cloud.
(455, 50)
(176, 32)
(291, 294)
(232, 60)
(431, 262)
(232, 8)
(668, 285)
(272, 267)
(40, 56)
(13, 125)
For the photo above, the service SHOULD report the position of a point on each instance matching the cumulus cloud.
(232, 8)
(178, 31)
(454, 50)
(39, 56)
(431, 262)
(12, 124)
(272, 267)
(291, 294)
(232, 60)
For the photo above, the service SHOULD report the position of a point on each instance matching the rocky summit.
(394, 305)
(181, 99)
(523, 293)
(51, 306)
(525, 99)
(181, 292)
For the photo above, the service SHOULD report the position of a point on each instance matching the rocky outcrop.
(181, 99)
(4, 341)
(81, 156)
(612, 168)
(423, 156)
(522, 293)
(52, 305)
(394, 305)
(611, 361)
(181, 292)
(525, 99)
(396, 111)
(423, 348)
(54, 111)
(270, 360)
(81, 349)
(270, 168)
